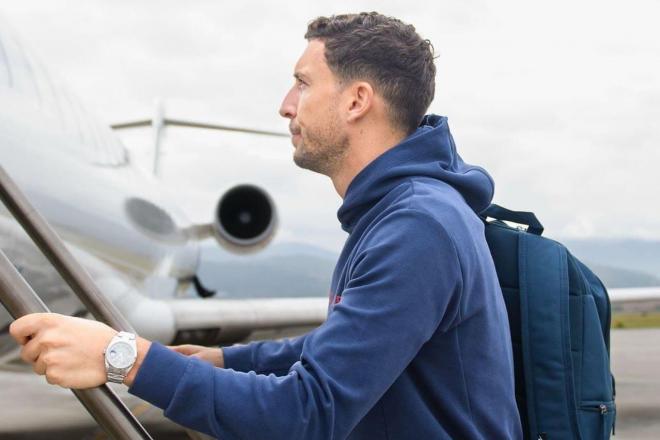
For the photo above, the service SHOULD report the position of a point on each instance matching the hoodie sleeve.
(264, 357)
(403, 281)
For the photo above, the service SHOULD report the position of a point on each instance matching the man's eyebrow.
(300, 76)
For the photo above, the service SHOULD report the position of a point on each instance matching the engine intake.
(245, 218)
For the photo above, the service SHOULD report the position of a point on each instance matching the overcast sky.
(559, 101)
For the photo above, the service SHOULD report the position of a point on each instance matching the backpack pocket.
(596, 420)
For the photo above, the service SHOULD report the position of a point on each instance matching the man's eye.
(300, 84)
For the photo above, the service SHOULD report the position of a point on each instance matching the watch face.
(120, 355)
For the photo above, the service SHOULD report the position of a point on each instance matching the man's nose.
(290, 104)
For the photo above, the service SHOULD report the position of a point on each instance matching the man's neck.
(364, 148)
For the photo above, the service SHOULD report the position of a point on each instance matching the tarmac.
(32, 409)
(636, 367)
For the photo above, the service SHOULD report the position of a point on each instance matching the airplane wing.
(628, 295)
(214, 321)
(208, 321)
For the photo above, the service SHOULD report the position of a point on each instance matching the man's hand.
(68, 350)
(213, 356)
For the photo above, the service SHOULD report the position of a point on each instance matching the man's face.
(312, 105)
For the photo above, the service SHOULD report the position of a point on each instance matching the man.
(416, 344)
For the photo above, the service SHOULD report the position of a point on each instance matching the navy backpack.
(559, 314)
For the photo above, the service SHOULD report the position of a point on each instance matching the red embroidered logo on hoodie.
(337, 298)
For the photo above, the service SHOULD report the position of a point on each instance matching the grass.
(636, 320)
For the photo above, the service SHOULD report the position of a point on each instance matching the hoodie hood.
(428, 152)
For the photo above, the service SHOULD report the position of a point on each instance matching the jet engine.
(245, 219)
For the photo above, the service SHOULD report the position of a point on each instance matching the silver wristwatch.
(120, 356)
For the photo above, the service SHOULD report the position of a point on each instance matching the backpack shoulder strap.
(545, 337)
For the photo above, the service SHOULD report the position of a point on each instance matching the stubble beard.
(322, 150)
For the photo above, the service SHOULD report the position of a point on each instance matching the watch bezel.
(130, 362)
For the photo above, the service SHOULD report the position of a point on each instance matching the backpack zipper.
(603, 410)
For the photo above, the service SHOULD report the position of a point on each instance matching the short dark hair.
(386, 51)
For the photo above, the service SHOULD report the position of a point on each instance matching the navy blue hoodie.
(416, 344)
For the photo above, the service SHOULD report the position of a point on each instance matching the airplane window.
(21, 74)
(45, 84)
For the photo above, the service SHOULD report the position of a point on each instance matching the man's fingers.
(31, 350)
(213, 356)
(177, 348)
(23, 328)
(39, 366)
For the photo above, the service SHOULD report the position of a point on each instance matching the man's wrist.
(143, 346)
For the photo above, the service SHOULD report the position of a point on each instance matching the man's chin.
(300, 159)
(298, 150)
(297, 157)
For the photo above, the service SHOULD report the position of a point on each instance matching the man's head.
(359, 72)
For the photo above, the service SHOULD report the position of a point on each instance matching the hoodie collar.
(428, 152)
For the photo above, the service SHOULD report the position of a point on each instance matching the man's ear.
(361, 100)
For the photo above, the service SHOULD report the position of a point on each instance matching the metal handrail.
(19, 299)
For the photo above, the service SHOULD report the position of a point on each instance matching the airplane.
(128, 233)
